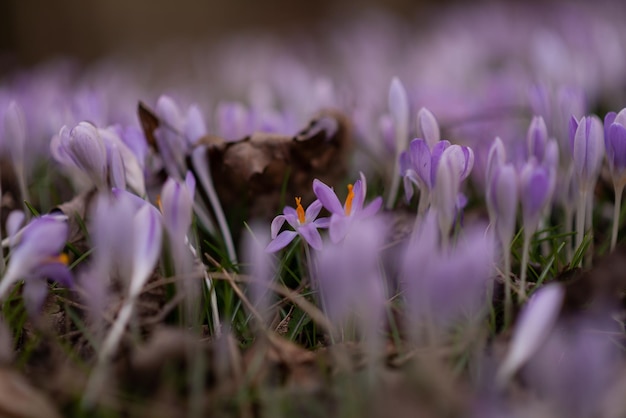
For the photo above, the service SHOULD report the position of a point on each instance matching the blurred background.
(35, 30)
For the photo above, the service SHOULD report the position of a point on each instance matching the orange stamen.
(300, 210)
(158, 202)
(61, 258)
(348, 205)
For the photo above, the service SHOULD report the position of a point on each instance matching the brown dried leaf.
(251, 174)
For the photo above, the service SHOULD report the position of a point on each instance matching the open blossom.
(342, 216)
(303, 222)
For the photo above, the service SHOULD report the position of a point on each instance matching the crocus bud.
(15, 132)
(445, 192)
(535, 185)
(615, 144)
(496, 157)
(587, 143)
(87, 151)
(399, 109)
(428, 127)
(533, 327)
(502, 196)
(537, 138)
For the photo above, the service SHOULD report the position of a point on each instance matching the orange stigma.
(300, 210)
(348, 205)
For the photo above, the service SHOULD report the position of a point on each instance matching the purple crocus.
(615, 146)
(37, 256)
(351, 286)
(303, 222)
(587, 146)
(353, 210)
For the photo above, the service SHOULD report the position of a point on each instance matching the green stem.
(525, 254)
(616, 211)
(580, 218)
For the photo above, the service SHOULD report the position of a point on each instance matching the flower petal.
(311, 235)
(277, 223)
(535, 324)
(327, 196)
(339, 226)
(281, 241)
(372, 208)
(313, 210)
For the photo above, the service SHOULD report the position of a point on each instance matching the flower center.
(300, 210)
(348, 205)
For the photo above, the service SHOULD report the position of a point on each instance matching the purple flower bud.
(535, 185)
(446, 191)
(496, 157)
(233, 121)
(399, 109)
(15, 132)
(502, 196)
(87, 151)
(535, 323)
(176, 205)
(428, 127)
(537, 138)
(615, 144)
(587, 148)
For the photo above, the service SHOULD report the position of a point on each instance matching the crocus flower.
(428, 127)
(587, 146)
(535, 323)
(502, 197)
(445, 285)
(37, 256)
(99, 154)
(399, 110)
(350, 282)
(303, 222)
(615, 145)
(82, 148)
(576, 366)
(342, 216)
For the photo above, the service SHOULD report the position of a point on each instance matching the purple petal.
(372, 208)
(281, 241)
(322, 222)
(311, 235)
(436, 154)
(422, 160)
(34, 293)
(55, 271)
(616, 147)
(537, 137)
(429, 128)
(338, 228)
(313, 210)
(408, 181)
(533, 327)
(290, 212)
(195, 128)
(359, 197)
(399, 109)
(146, 246)
(117, 174)
(327, 196)
(609, 119)
(277, 223)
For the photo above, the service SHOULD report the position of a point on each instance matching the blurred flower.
(350, 282)
(342, 216)
(533, 327)
(303, 223)
(36, 256)
(574, 367)
(446, 285)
